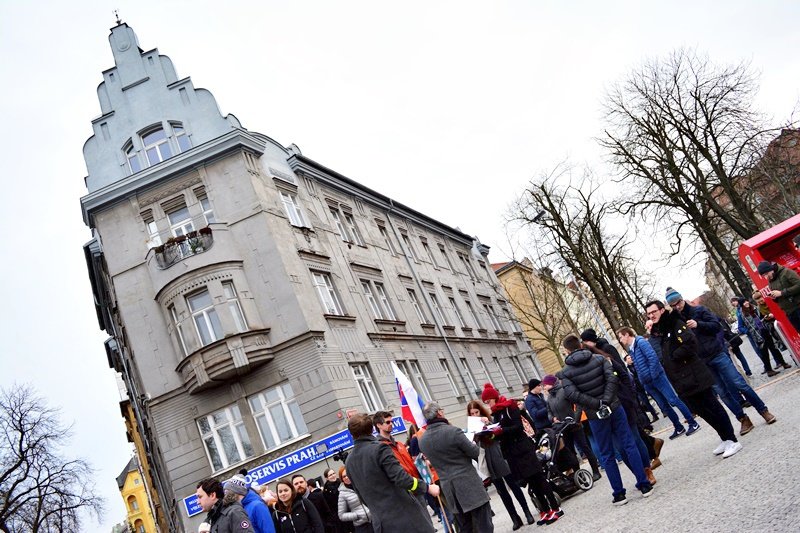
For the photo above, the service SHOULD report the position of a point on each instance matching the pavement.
(755, 490)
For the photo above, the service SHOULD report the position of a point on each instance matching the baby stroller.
(561, 466)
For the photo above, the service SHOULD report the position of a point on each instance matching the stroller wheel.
(583, 478)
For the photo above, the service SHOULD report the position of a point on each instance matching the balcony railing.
(179, 248)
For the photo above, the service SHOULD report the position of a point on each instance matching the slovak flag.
(410, 402)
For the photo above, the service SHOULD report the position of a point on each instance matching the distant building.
(254, 297)
(137, 504)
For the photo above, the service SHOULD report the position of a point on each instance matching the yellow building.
(134, 494)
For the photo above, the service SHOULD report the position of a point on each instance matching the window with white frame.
(208, 211)
(204, 316)
(277, 415)
(178, 328)
(180, 222)
(500, 370)
(386, 304)
(327, 293)
(132, 503)
(518, 369)
(449, 374)
(225, 437)
(133, 158)
(467, 265)
(414, 373)
(369, 295)
(337, 220)
(292, 208)
(457, 311)
(352, 229)
(366, 387)
(492, 317)
(156, 146)
(387, 239)
(412, 297)
(232, 300)
(470, 378)
(180, 135)
(485, 369)
(438, 308)
(443, 251)
(473, 314)
(411, 251)
(153, 238)
(428, 252)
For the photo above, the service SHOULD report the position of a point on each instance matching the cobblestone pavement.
(755, 490)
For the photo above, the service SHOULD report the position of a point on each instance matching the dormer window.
(156, 144)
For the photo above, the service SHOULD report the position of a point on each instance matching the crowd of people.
(599, 400)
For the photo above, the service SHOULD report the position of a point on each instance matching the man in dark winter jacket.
(590, 338)
(707, 328)
(536, 405)
(590, 382)
(254, 506)
(384, 487)
(784, 285)
(691, 378)
(225, 513)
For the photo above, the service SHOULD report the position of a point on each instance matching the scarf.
(503, 403)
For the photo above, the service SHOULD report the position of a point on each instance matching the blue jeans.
(604, 432)
(641, 449)
(665, 396)
(731, 383)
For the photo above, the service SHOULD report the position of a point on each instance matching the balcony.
(225, 359)
(179, 248)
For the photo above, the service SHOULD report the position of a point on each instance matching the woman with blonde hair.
(351, 510)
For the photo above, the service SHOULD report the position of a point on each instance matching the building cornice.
(301, 164)
(237, 139)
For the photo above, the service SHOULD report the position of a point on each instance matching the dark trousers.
(769, 348)
(502, 486)
(794, 319)
(707, 407)
(575, 437)
(742, 360)
(476, 521)
(543, 492)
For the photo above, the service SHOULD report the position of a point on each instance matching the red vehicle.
(778, 244)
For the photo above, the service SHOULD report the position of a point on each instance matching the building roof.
(498, 266)
(132, 465)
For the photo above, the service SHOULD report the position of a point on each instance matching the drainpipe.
(428, 303)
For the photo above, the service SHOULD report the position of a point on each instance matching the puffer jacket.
(258, 512)
(687, 373)
(230, 518)
(536, 406)
(589, 380)
(788, 282)
(558, 405)
(351, 508)
(709, 333)
(645, 361)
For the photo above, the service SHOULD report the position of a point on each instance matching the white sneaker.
(722, 447)
(732, 449)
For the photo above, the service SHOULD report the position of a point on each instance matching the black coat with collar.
(685, 370)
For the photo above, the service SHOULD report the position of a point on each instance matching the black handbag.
(734, 340)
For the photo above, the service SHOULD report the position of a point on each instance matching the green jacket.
(788, 282)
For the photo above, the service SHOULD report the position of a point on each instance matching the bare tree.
(574, 220)
(685, 137)
(40, 490)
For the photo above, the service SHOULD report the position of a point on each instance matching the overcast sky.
(446, 106)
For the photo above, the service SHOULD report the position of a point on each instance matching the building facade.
(253, 296)
(137, 504)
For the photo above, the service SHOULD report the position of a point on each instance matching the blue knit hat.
(672, 296)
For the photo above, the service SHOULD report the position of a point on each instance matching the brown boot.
(657, 445)
(769, 417)
(747, 425)
(655, 463)
(650, 477)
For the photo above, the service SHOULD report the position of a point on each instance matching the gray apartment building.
(253, 297)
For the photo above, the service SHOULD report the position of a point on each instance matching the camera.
(340, 455)
(604, 412)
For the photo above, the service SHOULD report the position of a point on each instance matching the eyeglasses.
(387, 422)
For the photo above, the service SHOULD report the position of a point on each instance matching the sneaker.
(677, 433)
(543, 518)
(619, 499)
(693, 428)
(647, 491)
(597, 476)
(722, 447)
(732, 449)
(552, 516)
(560, 513)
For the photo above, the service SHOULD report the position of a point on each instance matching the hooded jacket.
(788, 282)
(258, 512)
(589, 380)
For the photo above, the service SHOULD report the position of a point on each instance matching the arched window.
(156, 146)
(138, 526)
(180, 135)
(132, 503)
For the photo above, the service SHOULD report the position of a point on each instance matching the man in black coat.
(589, 381)
(688, 374)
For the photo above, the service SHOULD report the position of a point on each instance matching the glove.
(496, 432)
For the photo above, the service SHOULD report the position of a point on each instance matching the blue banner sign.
(296, 460)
